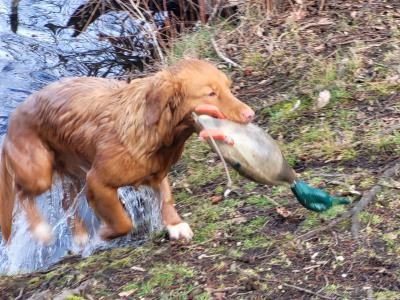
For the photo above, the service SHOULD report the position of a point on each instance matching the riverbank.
(261, 244)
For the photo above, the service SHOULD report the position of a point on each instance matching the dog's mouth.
(205, 109)
(210, 110)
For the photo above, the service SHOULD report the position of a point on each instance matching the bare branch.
(222, 56)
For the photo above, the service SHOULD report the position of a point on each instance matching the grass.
(163, 277)
(242, 239)
(194, 44)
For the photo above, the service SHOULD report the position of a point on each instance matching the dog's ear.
(163, 92)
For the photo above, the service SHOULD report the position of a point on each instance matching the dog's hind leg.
(31, 162)
(104, 201)
(40, 230)
(32, 165)
(71, 188)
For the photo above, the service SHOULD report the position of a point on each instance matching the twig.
(353, 213)
(321, 5)
(91, 16)
(307, 291)
(390, 130)
(259, 278)
(332, 224)
(222, 56)
(214, 12)
(21, 292)
(368, 197)
(322, 22)
(226, 289)
(136, 10)
(202, 9)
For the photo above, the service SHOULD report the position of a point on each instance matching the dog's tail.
(7, 195)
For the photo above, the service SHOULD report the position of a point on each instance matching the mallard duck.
(254, 154)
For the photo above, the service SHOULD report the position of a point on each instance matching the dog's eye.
(212, 94)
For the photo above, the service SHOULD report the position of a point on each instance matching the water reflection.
(41, 51)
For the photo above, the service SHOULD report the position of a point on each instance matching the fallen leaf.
(320, 48)
(353, 14)
(236, 88)
(314, 255)
(247, 72)
(296, 16)
(219, 295)
(201, 256)
(127, 293)
(283, 212)
(323, 99)
(339, 258)
(259, 31)
(239, 220)
(360, 115)
(216, 199)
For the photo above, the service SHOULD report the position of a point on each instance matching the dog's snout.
(248, 115)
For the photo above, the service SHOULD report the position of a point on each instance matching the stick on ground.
(222, 56)
(368, 197)
(354, 212)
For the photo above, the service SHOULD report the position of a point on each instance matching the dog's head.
(177, 91)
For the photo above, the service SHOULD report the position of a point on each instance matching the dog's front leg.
(104, 200)
(71, 188)
(177, 229)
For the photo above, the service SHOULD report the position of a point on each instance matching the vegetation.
(244, 246)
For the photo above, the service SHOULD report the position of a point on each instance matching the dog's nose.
(248, 115)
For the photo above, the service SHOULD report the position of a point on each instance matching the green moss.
(73, 297)
(202, 296)
(279, 190)
(230, 202)
(235, 253)
(255, 60)
(48, 276)
(34, 281)
(331, 288)
(311, 221)
(392, 241)
(259, 200)
(219, 189)
(121, 263)
(130, 287)
(366, 217)
(202, 233)
(162, 277)
(255, 242)
(249, 186)
(387, 295)
(348, 154)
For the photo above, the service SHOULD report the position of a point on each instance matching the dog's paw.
(180, 231)
(42, 233)
(81, 239)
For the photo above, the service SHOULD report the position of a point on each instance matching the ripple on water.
(23, 254)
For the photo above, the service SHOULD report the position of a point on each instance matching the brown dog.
(112, 134)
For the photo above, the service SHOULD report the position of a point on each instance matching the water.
(36, 55)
